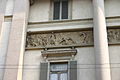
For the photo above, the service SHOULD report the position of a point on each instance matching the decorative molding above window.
(59, 53)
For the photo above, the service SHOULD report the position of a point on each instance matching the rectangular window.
(58, 71)
(60, 9)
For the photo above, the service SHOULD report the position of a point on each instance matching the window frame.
(58, 72)
(51, 17)
(45, 69)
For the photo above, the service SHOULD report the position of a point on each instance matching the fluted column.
(16, 47)
(100, 42)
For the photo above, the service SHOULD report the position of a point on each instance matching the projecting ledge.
(59, 53)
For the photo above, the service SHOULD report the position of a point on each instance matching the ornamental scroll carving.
(61, 39)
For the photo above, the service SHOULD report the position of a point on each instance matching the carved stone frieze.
(114, 36)
(61, 39)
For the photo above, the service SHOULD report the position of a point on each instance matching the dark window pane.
(65, 9)
(56, 14)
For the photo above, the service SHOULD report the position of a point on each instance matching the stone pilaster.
(16, 47)
(4, 32)
(2, 12)
(100, 42)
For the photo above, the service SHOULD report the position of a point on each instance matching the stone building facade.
(59, 40)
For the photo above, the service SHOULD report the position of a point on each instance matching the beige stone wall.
(86, 61)
(82, 9)
(112, 8)
(39, 11)
(32, 59)
(115, 61)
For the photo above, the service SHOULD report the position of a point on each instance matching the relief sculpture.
(52, 39)
(114, 36)
(80, 38)
(59, 39)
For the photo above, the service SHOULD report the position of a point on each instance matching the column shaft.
(16, 47)
(100, 42)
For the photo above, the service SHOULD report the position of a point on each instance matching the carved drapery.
(67, 39)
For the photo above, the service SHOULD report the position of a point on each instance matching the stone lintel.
(58, 53)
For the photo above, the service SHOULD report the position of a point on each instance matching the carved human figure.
(52, 39)
(83, 37)
(111, 36)
(39, 39)
(35, 41)
(44, 41)
(117, 35)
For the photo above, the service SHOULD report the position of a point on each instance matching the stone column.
(16, 47)
(100, 42)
